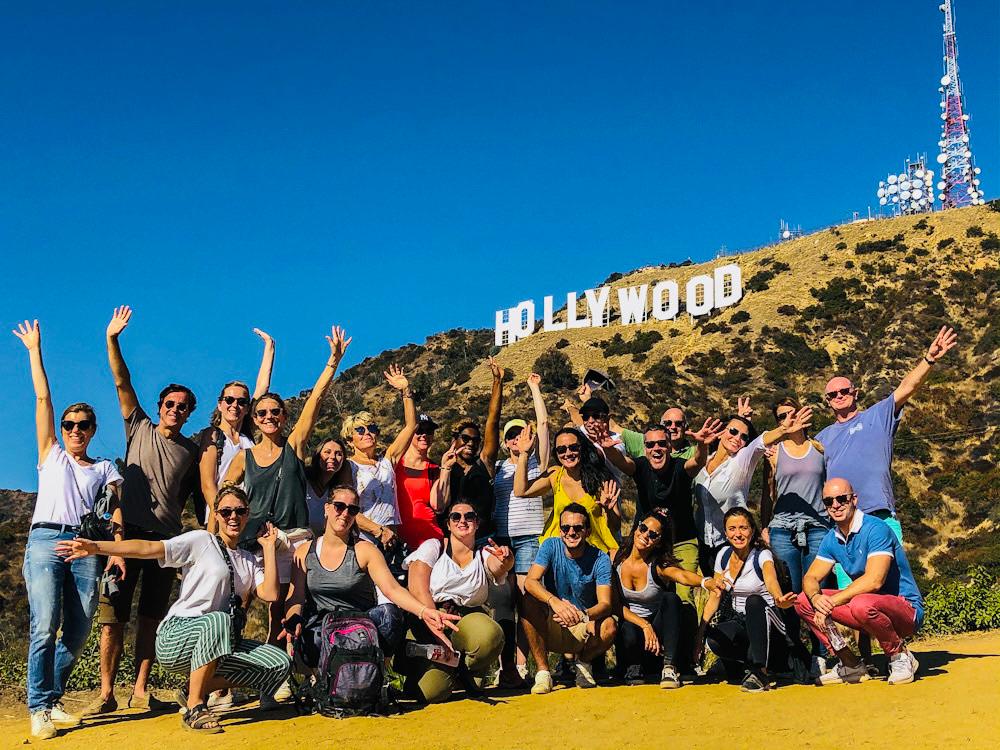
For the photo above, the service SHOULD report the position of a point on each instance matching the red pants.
(886, 618)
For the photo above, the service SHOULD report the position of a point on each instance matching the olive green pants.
(478, 637)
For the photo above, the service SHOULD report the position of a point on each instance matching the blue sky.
(402, 168)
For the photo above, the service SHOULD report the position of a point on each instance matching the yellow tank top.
(600, 533)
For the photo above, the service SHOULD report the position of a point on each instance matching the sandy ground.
(954, 703)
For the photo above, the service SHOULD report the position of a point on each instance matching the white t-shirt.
(467, 587)
(377, 492)
(229, 451)
(724, 489)
(747, 581)
(516, 516)
(67, 490)
(205, 575)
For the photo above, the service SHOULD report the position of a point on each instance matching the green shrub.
(942, 244)
(974, 231)
(922, 224)
(990, 243)
(555, 369)
(639, 344)
(740, 317)
(955, 606)
(787, 310)
(841, 245)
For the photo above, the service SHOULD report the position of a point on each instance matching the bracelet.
(548, 602)
(407, 393)
(420, 615)
(332, 365)
(929, 361)
(703, 583)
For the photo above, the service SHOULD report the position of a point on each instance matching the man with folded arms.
(882, 599)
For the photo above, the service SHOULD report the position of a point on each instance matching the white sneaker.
(842, 674)
(818, 667)
(900, 669)
(914, 664)
(584, 675)
(283, 693)
(42, 727)
(543, 683)
(60, 716)
(669, 678)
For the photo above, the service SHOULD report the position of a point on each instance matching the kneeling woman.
(200, 636)
(451, 576)
(338, 572)
(748, 631)
(648, 608)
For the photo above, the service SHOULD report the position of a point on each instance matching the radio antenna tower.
(959, 181)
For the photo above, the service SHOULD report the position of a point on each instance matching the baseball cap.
(511, 425)
(595, 405)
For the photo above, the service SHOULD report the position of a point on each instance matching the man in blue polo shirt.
(882, 599)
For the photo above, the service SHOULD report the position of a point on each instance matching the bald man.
(881, 600)
(858, 446)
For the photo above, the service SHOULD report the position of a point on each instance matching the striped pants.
(185, 644)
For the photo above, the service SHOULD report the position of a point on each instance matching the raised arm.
(207, 474)
(522, 488)
(801, 421)
(541, 420)
(299, 436)
(394, 376)
(441, 489)
(621, 461)
(702, 439)
(127, 400)
(45, 426)
(942, 344)
(491, 438)
(263, 384)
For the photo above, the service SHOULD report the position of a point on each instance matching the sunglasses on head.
(657, 443)
(240, 400)
(601, 416)
(339, 507)
(83, 424)
(644, 529)
(181, 406)
(576, 528)
(829, 502)
(513, 433)
(371, 429)
(571, 448)
(240, 511)
(466, 439)
(469, 516)
(831, 395)
(737, 433)
(673, 422)
(261, 413)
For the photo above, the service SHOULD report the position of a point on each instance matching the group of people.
(461, 552)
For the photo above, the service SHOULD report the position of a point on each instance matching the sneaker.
(669, 678)
(914, 664)
(842, 674)
(283, 693)
(42, 727)
(871, 672)
(819, 667)
(60, 716)
(755, 682)
(101, 706)
(633, 675)
(543, 683)
(584, 675)
(220, 699)
(900, 669)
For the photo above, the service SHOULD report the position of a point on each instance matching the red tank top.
(413, 494)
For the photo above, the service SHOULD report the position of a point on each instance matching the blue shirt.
(860, 451)
(575, 580)
(871, 536)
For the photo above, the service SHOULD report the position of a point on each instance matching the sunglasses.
(371, 429)
(261, 413)
(181, 406)
(84, 425)
(831, 395)
(602, 416)
(465, 439)
(644, 529)
(425, 430)
(673, 422)
(563, 449)
(469, 516)
(576, 528)
(829, 502)
(240, 400)
(736, 433)
(657, 443)
(339, 507)
(513, 433)
(240, 511)
(783, 415)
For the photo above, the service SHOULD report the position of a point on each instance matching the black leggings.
(667, 625)
(753, 641)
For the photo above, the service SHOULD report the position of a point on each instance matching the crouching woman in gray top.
(200, 635)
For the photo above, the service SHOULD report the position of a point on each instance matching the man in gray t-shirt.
(161, 470)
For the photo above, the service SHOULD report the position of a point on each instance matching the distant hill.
(859, 299)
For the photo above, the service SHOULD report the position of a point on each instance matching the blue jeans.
(62, 596)
(797, 558)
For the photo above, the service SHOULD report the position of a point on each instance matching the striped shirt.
(516, 516)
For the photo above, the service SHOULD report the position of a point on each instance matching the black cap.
(594, 405)
(425, 421)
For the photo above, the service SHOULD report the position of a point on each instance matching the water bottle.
(434, 653)
(833, 633)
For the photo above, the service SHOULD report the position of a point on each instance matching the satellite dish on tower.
(942, 158)
(945, 80)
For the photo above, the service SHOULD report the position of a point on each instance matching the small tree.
(555, 369)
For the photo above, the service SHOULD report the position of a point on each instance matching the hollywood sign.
(702, 294)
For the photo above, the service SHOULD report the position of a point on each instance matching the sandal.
(200, 719)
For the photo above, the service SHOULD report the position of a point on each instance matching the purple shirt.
(860, 451)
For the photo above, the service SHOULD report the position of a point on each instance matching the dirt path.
(956, 703)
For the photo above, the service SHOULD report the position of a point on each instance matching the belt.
(62, 528)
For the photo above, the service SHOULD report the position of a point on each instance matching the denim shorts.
(525, 549)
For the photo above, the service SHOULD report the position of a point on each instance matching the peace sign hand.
(500, 552)
(30, 335)
(496, 369)
(743, 407)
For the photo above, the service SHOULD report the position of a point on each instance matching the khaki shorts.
(284, 555)
(564, 640)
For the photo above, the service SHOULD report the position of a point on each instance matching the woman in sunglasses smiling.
(452, 576)
(581, 477)
(230, 429)
(201, 634)
(62, 594)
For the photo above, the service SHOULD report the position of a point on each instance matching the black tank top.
(277, 494)
(346, 588)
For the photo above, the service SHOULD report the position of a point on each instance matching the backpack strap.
(756, 564)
